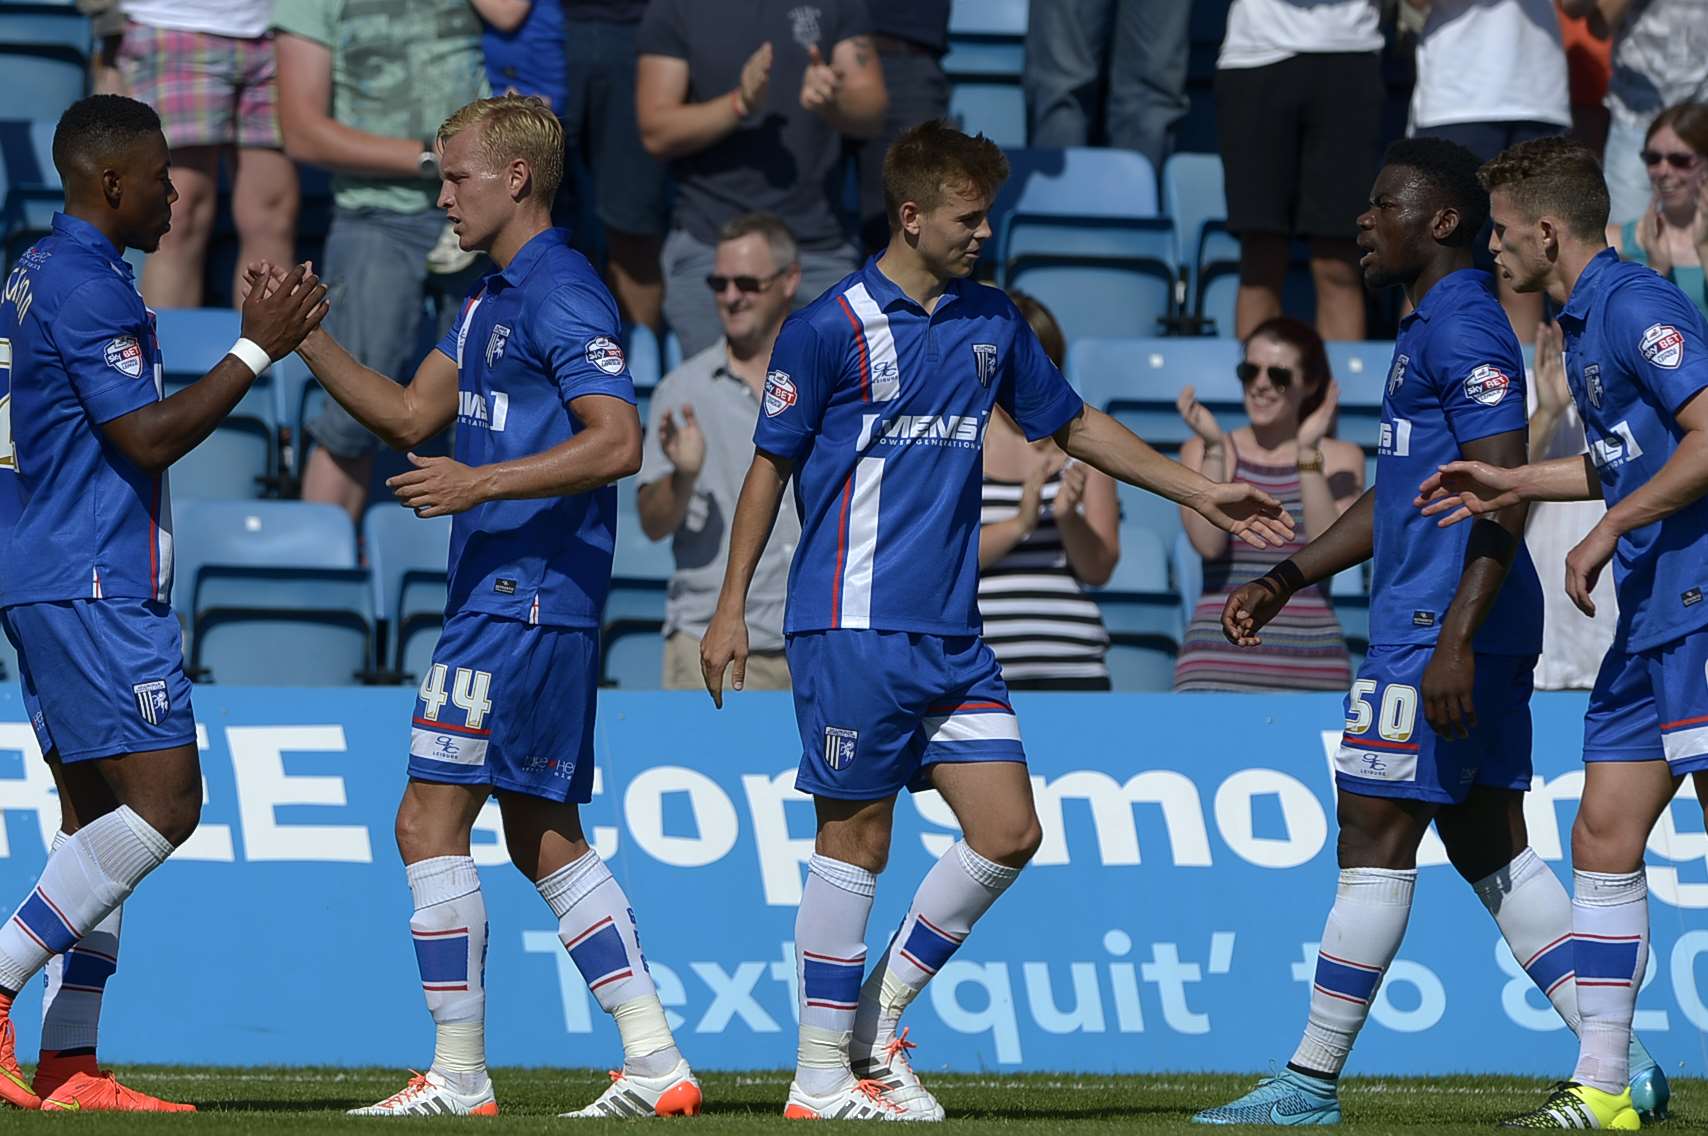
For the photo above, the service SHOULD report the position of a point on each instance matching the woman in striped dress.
(1049, 526)
(1290, 400)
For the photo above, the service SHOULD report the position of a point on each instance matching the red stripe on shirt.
(860, 341)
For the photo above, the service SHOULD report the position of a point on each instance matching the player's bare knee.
(1603, 842)
(1012, 845)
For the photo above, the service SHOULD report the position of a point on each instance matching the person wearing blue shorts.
(86, 571)
(1437, 728)
(533, 375)
(1636, 353)
(876, 402)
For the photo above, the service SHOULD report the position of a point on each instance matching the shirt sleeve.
(103, 337)
(1478, 370)
(582, 346)
(804, 372)
(660, 31)
(655, 466)
(311, 19)
(1033, 391)
(1659, 336)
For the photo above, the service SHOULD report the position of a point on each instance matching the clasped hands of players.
(279, 317)
(274, 317)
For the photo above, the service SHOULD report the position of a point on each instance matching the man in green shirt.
(363, 86)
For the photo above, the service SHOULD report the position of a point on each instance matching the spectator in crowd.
(1671, 236)
(699, 443)
(107, 29)
(1050, 526)
(1660, 59)
(1589, 67)
(750, 108)
(1299, 113)
(1468, 91)
(1118, 63)
(628, 187)
(207, 68)
(522, 42)
(1286, 449)
(1572, 643)
(362, 91)
(910, 37)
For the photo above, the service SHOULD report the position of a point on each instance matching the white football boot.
(676, 1093)
(428, 1094)
(892, 1069)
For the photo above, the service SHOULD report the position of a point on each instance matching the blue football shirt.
(1457, 375)
(530, 340)
(83, 352)
(1636, 352)
(883, 410)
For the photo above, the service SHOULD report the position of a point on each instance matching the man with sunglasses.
(1438, 721)
(699, 444)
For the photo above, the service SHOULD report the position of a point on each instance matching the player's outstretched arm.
(725, 643)
(275, 320)
(605, 449)
(400, 416)
(1236, 508)
(1349, 541)
(1467, 488)
(1678, 483)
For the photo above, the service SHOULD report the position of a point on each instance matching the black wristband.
(1286, 576)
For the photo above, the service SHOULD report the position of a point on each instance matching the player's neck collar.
(1588, 283)
(84, 233)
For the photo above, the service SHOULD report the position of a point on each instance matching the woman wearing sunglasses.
(1672, 234)
(1285, 448)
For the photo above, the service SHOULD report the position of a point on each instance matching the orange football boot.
(101, 1092)
(14, 1090)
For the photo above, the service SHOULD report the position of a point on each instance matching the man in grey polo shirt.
(699, 443)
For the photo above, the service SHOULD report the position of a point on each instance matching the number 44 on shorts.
(469, 693)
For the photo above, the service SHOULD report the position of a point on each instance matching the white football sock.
(957, 890)
(90, 875)
(830, 959)
(1534, 913)
(1610, 948)
(76, 980)
(597, 927)
(1363, 933)
(449, 932)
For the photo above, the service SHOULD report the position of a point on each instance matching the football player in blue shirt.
(86, 566)
(1438, 720)
(534, 378)
(876, 403)
(1636, 354)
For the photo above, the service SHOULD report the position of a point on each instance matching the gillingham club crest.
(839, 747)
(984, 358)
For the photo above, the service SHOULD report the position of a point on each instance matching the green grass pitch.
(311, 1100)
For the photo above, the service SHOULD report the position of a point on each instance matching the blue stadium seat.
(1138, 380)
(273, 593)
(1141, 613)
(672, 352)
(644, 357)
(32, 189)
(1188, 568)
(408, 558)
(1144, 661)
(44, 55)
(1143, 563)
(632, 654)
(240, 458)
(640, 568)
(987, 53)
(1081, 232)
(995, 108)
(1193, 196)
(1149, 511)
(1362, 369)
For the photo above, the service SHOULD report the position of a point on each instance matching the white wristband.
(251, 355)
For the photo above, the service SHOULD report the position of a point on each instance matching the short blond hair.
(511, 127)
